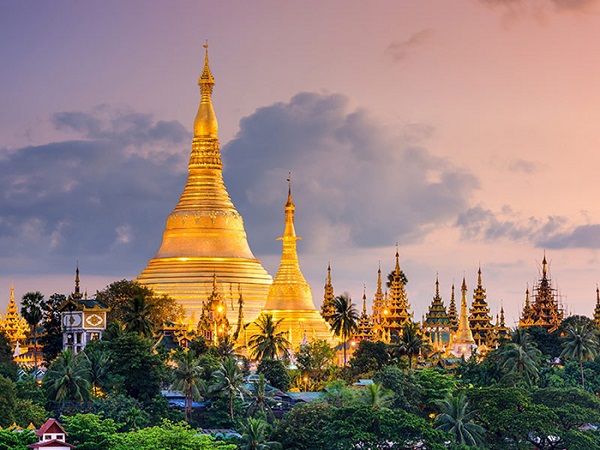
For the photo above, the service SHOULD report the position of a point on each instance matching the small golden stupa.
(463, 344)
(204, 236)
(290, 296)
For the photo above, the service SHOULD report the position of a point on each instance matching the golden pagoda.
(365, 325)
(452, 314)
(13, 325)
(327, 308)
(463, 344)
(436, 322)
(290, 296)
(545, 310)
(204, 235)
(397, 311)
(479, 319)
(213, 324)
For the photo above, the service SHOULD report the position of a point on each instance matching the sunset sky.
(466, 131)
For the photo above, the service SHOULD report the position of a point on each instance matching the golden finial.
(289, 180)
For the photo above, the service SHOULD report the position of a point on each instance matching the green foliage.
(368, 358)
(119, 294)
(337, 394)
(10, 440)
(457, 420)
(27, 412)
(432, 386)
(8, 397)
(52, 339)
(319, 426)
(520, 361)
(580, 343)
(31, 310)
(315, 359)
(344, 320)
(229, 380)
(90, 431)
(8, 367)
(269, 342)
(375, 396)
(275, 373)
(137, 367)
(168, 436)
(188, 379)
(399, 382)
(254, 436)
(138, 316)
(67, 378)
(547, 343)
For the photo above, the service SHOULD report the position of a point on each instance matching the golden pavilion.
(204, 236)
(290, 296)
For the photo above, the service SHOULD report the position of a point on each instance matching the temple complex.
(436, 323)
(545, 310)
(290, 296)
(204, 235)
(479, 319)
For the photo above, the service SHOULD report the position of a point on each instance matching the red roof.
(51, 427)
(51, 443)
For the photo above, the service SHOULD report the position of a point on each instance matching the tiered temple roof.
(452, 312)
(13, 325)
(365, 325)
(480, 320)
(437, 322)
(327, 309)
(398, 308)
(213, 324)
(597, 308)
(545, 310)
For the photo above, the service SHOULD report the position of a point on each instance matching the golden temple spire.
(544, 268)
(205, 233)
(437, 285)
(364, 310)
(206, 124)
(464, 334)
(479, 283)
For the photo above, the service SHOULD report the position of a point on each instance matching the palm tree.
(254, 436)
(268, 343)
(261, 399)
(375, 396)
(188, 379)
(344, 320)
(229, 379)
(580, 343)
(411, 342)
(520, 359)
(98, 362)
(68, 377)
(457, 420)
(137, 316)
(31, 310)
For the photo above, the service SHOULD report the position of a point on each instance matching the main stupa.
(204, 238)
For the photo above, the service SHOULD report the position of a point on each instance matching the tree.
(136, 365)
(375, 396)
(188, 379)
(392, 274)
(8, 366)
(68, 378)
(9, 440)
(369, 356)
(90, 431)
(520, 360)
(137, 316)
(229, 379)
(457, 420)
(8, 398)
(52, 339)
(315, 358)
(168, 436)
(268, 342)
(275, 373)
(31, 310)
(254, 436)
(411, 342)
(344, 320)
(99, 361)
(581, 344)
(262, 400)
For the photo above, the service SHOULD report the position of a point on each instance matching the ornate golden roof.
(204, 235)
(290, 296)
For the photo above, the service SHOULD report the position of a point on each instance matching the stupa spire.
(464, 334)
(204, 235)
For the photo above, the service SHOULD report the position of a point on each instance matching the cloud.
(101, 197)
(522, 165)
(400, 50)
(539, 8)
(554, 232)
(354, 182)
